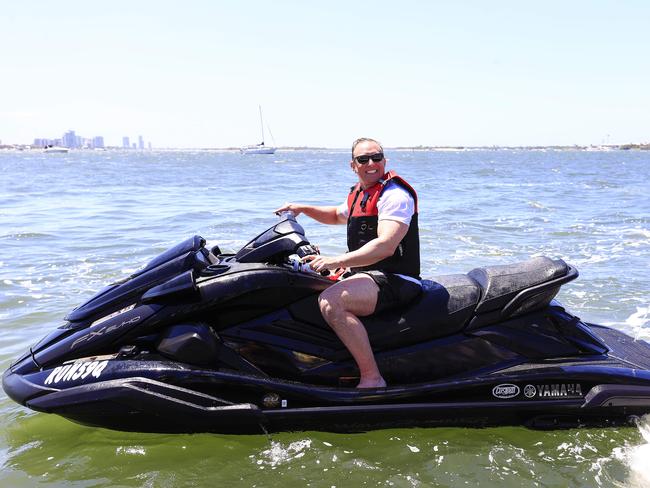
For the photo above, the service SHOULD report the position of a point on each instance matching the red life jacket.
(362, 227)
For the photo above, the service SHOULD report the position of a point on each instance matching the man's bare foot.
(372, 383)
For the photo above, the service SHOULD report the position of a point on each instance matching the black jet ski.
(200, 341)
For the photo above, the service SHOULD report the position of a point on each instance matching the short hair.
(365, 139)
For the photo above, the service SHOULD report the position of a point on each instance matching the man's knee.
(329, 302)
(355, 295)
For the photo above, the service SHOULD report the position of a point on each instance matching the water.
(70, 223)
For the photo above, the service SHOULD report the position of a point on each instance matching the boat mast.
(261, 123)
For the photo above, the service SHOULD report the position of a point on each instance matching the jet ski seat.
(449, 304)
(513, 289)
(443, 308)
(501, 283)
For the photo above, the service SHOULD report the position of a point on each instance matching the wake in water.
(635, 458)
(278, 454)
(637, 324)
(638, 458)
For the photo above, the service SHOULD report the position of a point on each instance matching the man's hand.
(323, 214)
(291, 207)
(320, 263)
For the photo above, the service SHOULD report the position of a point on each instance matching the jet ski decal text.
(104, 330)
(553, 391)
(505, 391)
(114, 314)
(75, 371)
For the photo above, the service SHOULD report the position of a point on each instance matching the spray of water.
(638, 458)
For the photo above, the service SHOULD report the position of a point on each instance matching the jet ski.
(202, 341)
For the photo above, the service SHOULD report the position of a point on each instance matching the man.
(384, 253)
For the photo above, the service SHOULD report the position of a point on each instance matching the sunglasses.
(377, 157)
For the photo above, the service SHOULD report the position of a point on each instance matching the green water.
(45, 449)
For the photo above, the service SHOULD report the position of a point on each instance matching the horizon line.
(642, 146)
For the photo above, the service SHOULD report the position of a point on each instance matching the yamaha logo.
(530, 391)
(505, 391)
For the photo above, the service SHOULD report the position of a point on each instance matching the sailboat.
(260, 148)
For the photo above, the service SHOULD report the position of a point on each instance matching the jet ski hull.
(164, 396)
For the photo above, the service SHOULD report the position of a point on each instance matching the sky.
(434, 73)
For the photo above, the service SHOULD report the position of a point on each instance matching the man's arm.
(389, 234)
(323, 214)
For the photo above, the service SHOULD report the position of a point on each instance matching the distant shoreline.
(603, 147)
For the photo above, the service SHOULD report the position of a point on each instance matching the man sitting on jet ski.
(383, 252)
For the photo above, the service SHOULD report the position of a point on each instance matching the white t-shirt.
(395, 203)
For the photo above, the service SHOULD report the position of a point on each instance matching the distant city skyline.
(471, 73)
(73, 141)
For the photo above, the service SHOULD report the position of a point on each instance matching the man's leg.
(340, 305)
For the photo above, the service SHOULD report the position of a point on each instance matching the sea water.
(71, 223)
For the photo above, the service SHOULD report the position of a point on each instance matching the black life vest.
(362, 227)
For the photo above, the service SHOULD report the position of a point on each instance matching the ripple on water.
(24, 236)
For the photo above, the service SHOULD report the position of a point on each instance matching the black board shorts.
(393, 290)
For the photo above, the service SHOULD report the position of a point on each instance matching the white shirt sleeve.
(342, 210)
(396, 203)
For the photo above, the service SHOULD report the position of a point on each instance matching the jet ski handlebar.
(286, 214)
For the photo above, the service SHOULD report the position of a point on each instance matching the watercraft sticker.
(114, 314)
(562, 390)
(505, 391)
(75, 371)
(104, 330)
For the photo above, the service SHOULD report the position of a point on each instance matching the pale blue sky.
(191, 74)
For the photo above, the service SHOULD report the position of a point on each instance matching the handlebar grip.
(286, 214)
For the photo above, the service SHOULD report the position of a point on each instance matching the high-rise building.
(98, 141)
(149, 143)
(140, 143)
(126, 144)
(70, 139)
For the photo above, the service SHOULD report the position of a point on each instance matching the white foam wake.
(637, 324)
(638, 458)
